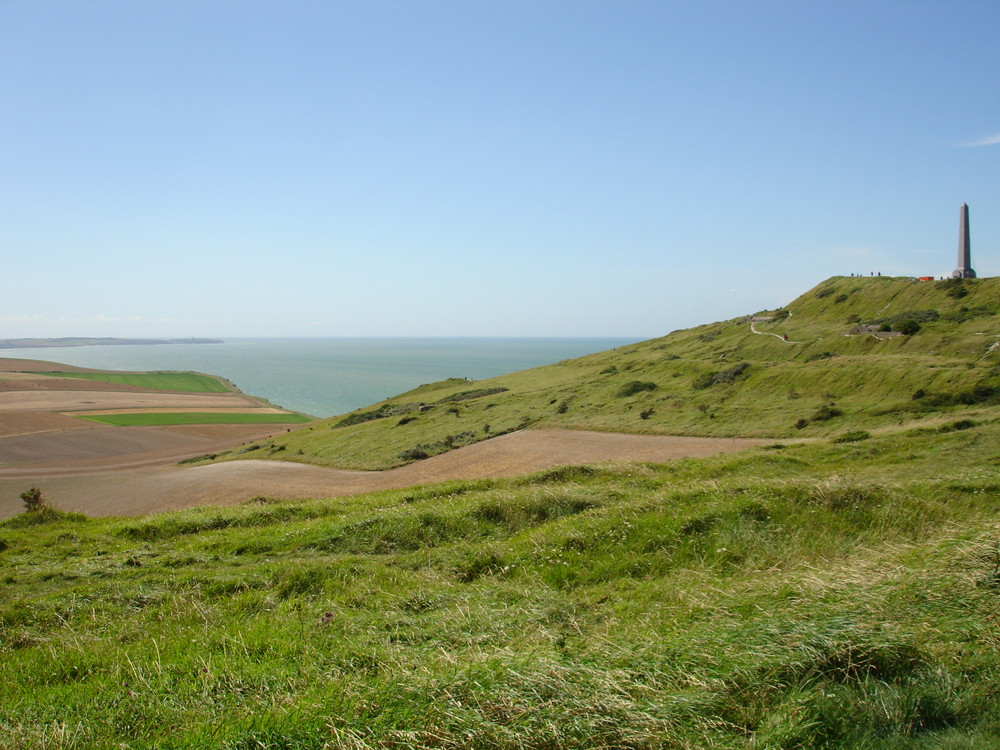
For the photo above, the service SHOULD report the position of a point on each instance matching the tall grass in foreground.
(834, 595)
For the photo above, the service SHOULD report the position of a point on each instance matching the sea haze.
(328, 376)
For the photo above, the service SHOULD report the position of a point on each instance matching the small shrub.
(820, 355)
(703, 381)
(955, 287)
(840, 298)
(611, 370)
(730, 375)
(646, 413)
(33, 500)
(801, 424)
(852, 437)
(414, 454)
(909, 327)
(961, 424)
(918, 394)
(406, 420)
(635, 386)
(823, 293)
(562, 408)
(825, 412)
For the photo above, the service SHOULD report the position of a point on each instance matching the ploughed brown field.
(103, 470)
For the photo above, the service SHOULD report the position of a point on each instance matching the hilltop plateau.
(836, 585)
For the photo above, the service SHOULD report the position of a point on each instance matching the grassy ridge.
(720, 379)
(166, 381)
(164, 418)
(837, 594)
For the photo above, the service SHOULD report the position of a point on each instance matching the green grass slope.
(720, 379)
(832, 594)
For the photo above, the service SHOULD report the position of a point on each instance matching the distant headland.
(81, 341)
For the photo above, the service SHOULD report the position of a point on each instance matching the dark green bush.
(703, 381)
(852, 437)
(635, 386)
(825, 412)
(33, 500)
(414, 454)
(820, 355)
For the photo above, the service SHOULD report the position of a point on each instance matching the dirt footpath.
(154, 489)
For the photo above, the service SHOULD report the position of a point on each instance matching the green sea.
(327, 376)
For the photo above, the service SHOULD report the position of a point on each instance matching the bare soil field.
(82, 400)
(26, 422)
(155, 489)
(41, 436)
(36, 365)
(102, 470)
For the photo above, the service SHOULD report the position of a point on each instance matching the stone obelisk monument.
(964, 270)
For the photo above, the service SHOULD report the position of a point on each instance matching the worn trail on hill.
(155, 489)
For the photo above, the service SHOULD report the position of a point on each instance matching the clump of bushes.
(955, 287)
(961, 424)
(479, 393)
(385, 410)
(708, 379)
(822, 414)
(840, 298)
(414, 454)
(894, 322)
(980, 393)
(635, 386)
(825, 412)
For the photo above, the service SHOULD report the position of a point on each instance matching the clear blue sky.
(479, 167)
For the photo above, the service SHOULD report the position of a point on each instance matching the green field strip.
(161, 419)
(167, 381)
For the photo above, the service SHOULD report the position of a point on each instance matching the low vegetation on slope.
(842, 593)
(845, 361)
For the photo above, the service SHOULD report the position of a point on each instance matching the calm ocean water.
(324, 377)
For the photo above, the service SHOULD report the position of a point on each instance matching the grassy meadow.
(841, 591)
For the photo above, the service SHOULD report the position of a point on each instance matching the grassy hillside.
(832, 594)
(720, 379)
(841, 592)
